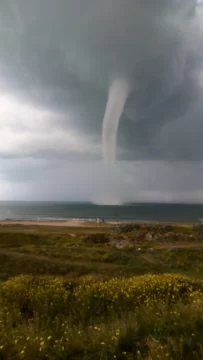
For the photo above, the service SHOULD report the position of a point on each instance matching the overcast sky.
(57, 61)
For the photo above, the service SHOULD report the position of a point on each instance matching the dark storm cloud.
(62, 56)
(57, 61)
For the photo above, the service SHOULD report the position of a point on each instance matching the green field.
(101, 293)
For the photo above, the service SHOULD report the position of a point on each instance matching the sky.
(58, 61)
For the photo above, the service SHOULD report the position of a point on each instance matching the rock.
(74, 246)
(119, 246)
(123, 244)
(148, 237)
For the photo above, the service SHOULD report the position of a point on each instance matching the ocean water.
(88, 211)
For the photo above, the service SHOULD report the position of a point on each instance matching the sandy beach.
(62, 223)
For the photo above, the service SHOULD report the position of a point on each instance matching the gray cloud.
(125, 182)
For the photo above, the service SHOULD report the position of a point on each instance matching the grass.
(72, 294)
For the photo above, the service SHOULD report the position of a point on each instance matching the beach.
(83, 223)
(58, 223)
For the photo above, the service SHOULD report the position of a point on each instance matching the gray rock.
(158, 236)
(148, 237)
(119, 246)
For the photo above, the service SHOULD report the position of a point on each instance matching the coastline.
(58, 223)
(86, 223)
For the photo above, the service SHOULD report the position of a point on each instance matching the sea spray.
(118, 94)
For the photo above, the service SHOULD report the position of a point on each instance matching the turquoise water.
(64, 211)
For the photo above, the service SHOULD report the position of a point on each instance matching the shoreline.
(58, 223)
(61, 223)
(86, 223)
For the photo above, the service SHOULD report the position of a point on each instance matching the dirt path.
(149, 258)
(51, 260)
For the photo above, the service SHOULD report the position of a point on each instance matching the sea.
(48, 211)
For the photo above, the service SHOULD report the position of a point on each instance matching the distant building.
(100, 220)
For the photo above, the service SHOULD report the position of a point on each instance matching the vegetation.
(74, 294)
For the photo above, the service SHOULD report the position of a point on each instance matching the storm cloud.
(57, 62)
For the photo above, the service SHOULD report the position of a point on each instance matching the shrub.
(97, 238)
(124, 319)
(198, 228)
(129, 227)
(160, 228)
(35, 297)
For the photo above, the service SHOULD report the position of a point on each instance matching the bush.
(129, 227)
(198, 228)
(160, 228)
(35, 297)
(124, 319)
(90, 299)
(97, 238)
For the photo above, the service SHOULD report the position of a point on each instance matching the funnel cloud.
(118, 93)
(158, 68)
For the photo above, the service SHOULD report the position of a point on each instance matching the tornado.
(118, 94)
